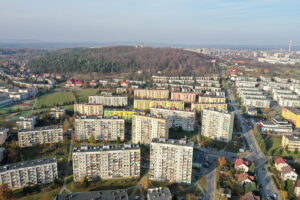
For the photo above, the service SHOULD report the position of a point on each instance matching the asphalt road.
(268, 187)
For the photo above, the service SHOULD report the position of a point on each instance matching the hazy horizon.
(190, 22)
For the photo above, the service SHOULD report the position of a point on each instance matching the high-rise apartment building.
(171, 160)
(104, 129)
(147, 127)
(185, 119)
(109, 100)
(151, 94)
(106, 161)
(217, 124)
(88, 109)
(40, 135)
(34, 172)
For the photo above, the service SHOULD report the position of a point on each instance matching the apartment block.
(95, 195)
(40, 135)
(257, 102)
(147, 127)
(187, 97)
(35, 172)
(101, 128)
(292, 115)
(198, 107)
(212, 99)
(171, 160)
(121, 113)
(217, 125)
(57, 112)
(106, 161)
(26, 122)
(88, 109)
(151, 94)
(185, 119)
(292, 142)
(289, 102)
(147, 104)
(3, 135)
(109, 100)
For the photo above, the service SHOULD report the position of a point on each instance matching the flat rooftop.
(26, 164)
(159, 193)
(95, 195)
(88, 148)
(173, 142)
(294, 110)
(42, 128)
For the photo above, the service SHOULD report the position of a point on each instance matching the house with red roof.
(93, 83)
(124, 83)
(280, 163)
(288, 173)
(74, 83)
(244, 178)
(241, 165)
(250, 196)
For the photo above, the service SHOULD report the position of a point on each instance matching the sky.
(194, 22)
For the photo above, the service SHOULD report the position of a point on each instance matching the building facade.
(291, 114)
(35, 172)
(292, 142)
(40, 135)
(151, 94)
(106, 161)
(147, 104)
(187, 97)
(122, 113)
(147, 127)
(198, 107)
(109, 100)
(3, 135)
(103, 129)
(217, 125)
(88, 109)
(26, 122)
(171, 160)
(184, 119)
(57, 112)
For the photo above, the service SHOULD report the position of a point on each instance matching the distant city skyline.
(189, 22)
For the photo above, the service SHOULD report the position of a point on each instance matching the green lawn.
(53, 99)
(82, 95)
(45, 195)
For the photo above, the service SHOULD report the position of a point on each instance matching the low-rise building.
(26, 122)
(57, 112)
(159, 194)
(291, 114)
(171, 160)
(106, 162)
(244, 178)
(109, 100)
(288, 173)
(184, 119)
(95, 195)
(88, 109)
(99, 128)
(297, 188)
(147, 127)
(276, 125)
(35, 172)
(40, 135)
(147, 104)
(292, 142)
(3, 135)
(280, 163)
(241, 165)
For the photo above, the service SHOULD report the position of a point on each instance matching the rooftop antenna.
(290, 46)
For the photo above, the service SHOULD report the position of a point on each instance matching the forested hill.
(122, 59)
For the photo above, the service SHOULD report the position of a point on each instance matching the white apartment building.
(171, 160)
(57, 112)
(217, 125)
(109, 100)
(103, 129)
(256, 102)
(3, 135)
(147, 127)
(289, 102)
(106, 161)
(40, 135)
(88, 109)
(177, 118)
(26, 122)
(34, 172)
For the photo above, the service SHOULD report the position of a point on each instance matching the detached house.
(288, 173)
(241, 165)
(244, 178)
(297, 188)
(280, 163)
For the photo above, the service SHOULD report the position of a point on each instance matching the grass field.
(82, 95)
(53, 99)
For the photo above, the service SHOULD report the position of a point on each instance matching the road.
(268, 187)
